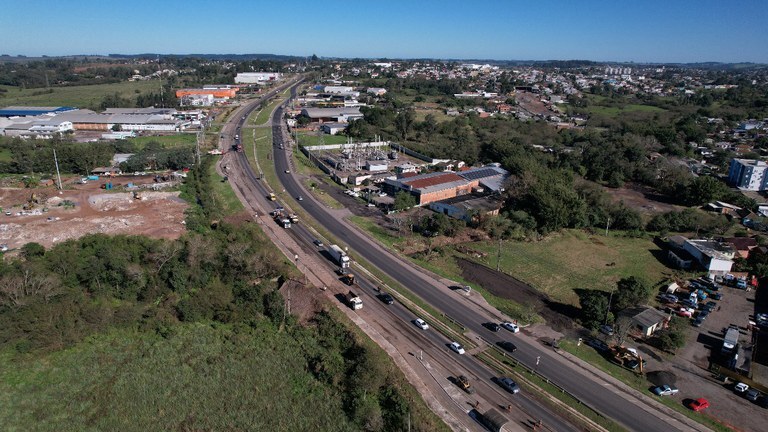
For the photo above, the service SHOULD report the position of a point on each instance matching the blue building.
(748, 174)
(21, 111)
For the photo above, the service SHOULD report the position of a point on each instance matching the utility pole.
(58, 174)
(608, 309)
(608, 222)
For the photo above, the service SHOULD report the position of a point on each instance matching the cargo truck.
(339, 256)
(731, 339)
(354, 301)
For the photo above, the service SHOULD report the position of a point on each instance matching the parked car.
(386, 298)
(665, 390)
(668, 298)
(598, 345)
(740, 388)
(703, 315)
(752, 395)
(633, 364)
(606, 329)
(716, 296)
(457, 348)
(697, 322)
(492, 326)
(698, 404)
(420, 323)
(507, 346)
(511, 327)
(508, 384)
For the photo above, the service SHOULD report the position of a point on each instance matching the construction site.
(141, 205)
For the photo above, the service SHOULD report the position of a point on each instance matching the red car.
(698, 404)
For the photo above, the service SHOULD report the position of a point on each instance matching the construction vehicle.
(629, 358)
(463, 383)
(348, 278)
(339, 256)
(354, 301)
(281, 218)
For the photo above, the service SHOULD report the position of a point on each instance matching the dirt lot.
(156, 214)
(641, 199)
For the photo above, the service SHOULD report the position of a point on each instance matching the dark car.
(716, 296)
(507, 346)
(703, 314)
(633, 364)
(598, 345)
(492, 326)
(508, 384)
(386, 298)
(697, 322)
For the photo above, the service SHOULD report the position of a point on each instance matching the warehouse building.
(224, 93)
(257, 77)
(32, 111)
(337, 115)
(88, 120)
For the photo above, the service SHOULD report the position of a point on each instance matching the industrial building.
(31, 111)
(257, 77)
(467, 207)
(748, 174)
(438, 186)
(92, 121)
(38, 127)
(223, 93)
(337, 115)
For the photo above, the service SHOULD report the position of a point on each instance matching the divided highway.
(611, 402)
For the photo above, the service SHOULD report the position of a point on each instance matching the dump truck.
(339, 256)
(354, 301)
(731, 339)
(348, 278)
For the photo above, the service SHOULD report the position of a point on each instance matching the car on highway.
(300, 198)
(386, 298)
(457, 348)
(420, 323)
(508, 384)
(287, 171)
(698, 404)
(665, 390)
(507, 346)
(318, 243)
(511, 327)
(492, 326)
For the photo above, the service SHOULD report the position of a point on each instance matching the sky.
(599, 30)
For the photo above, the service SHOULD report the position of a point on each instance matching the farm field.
(77, 96)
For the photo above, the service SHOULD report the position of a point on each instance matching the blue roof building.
(22, 111)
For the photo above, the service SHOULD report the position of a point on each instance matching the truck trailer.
(339, 256)
(354, 301)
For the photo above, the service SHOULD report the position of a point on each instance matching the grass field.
(76, 96)
(225, 197)
(572, 259)
(5, 155)
(200, 377)
(313, 139)
(615, 111)
(166, 141)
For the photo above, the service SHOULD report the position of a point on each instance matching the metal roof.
(13, 111)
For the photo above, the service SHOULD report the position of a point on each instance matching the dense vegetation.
(36, 156)
(191, 333)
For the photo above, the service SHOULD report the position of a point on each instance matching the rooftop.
(432, 179)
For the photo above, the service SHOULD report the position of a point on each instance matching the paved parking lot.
(691, 364)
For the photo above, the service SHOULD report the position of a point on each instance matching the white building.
(377, 91)
(715, 257)
(257, 77)
(748, 174)
(197, 100)
(339, 89)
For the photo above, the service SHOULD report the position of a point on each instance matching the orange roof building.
(217, 93)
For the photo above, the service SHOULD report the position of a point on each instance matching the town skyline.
(652, 32)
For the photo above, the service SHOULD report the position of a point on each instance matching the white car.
(420, 323)
(455, 346)
(287, 171)
(741, 388)
(511, 327)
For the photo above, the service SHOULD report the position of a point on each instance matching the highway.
(612, 403)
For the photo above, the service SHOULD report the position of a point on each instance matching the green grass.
(166, 141)
(78, 96)
(313, 139)
(224, 196)
(636, 381)
(6, 155)
(616, 111)
(200, 377)
(563, 262)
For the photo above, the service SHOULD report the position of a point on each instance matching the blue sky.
(601, 30)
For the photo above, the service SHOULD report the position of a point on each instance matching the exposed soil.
(557, 315)
(94, 210)
(642, 199)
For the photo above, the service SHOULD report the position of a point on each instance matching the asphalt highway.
(613, 404)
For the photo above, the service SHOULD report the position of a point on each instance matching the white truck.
(354, 301)
(339, 256)
(731, 338)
